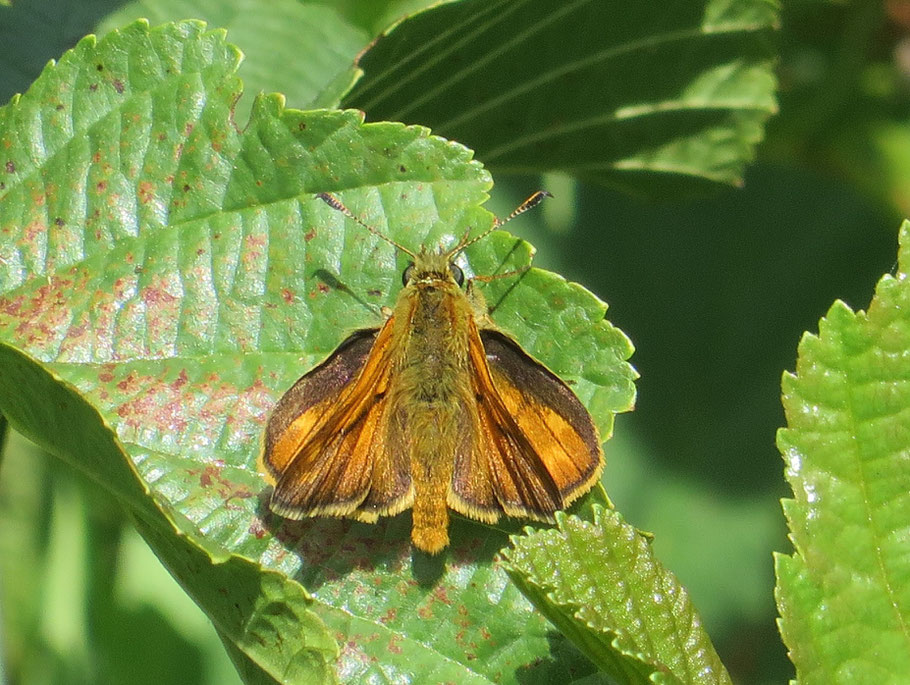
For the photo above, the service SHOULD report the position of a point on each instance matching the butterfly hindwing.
(391, 491)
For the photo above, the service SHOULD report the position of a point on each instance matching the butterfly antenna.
(338, 205)
(530, 203)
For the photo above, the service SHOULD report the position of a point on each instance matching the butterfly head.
(433, 268)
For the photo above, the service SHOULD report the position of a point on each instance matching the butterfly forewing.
(311, 400)
(553, 420)
(328, 438)
(540, 447)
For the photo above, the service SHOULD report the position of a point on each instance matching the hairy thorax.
(436, 354)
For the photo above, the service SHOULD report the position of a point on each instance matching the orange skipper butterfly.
(436, 409)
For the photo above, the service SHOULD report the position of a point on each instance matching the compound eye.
(407, 274)
(457, 273)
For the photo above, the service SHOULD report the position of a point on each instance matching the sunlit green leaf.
(653, 101)
(601, 585)
(304, 50)
(173, 268)
(844, 595)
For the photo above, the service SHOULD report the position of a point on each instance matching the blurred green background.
(715, 292)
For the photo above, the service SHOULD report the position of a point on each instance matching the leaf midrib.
(859, 454)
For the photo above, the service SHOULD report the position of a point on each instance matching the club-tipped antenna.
(530, 203)
(338, 205)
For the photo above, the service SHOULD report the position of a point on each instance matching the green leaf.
(56, 416)
(305, 50)
(844, 595)
(614, 92)
(601, 585)
(60, 205)
(378, 15)
(174, 270)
